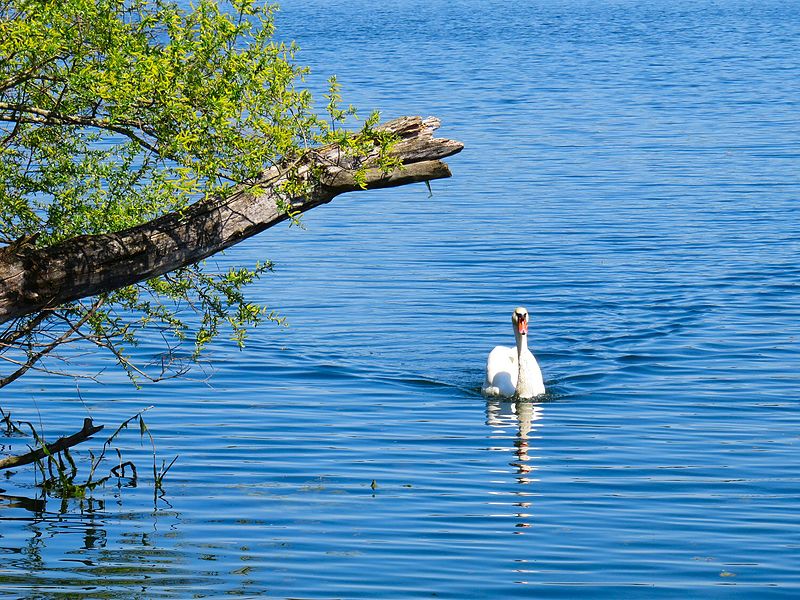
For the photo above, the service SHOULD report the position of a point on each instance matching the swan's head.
(520, 319)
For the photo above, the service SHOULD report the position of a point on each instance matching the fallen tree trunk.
(33, 279)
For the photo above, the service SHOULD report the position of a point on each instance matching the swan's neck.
(524, 368)
(522, 343)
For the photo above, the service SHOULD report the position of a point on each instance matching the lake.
(630, 176)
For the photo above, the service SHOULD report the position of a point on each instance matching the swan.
(514, 372)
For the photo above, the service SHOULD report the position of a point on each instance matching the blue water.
(630, 176)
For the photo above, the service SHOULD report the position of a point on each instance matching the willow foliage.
(113, 112)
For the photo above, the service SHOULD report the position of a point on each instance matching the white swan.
(514, 372)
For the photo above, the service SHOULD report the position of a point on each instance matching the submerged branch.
(59, 445)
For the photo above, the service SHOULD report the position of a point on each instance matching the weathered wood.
(59, 445)
(32, 279)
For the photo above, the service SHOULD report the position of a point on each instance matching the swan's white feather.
(501, 372)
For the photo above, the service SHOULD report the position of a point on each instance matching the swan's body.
(514, 372)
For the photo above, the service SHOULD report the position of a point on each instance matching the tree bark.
(33, 279)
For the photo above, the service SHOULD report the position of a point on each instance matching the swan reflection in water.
(518, 418)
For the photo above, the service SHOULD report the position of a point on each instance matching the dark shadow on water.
(32, 505)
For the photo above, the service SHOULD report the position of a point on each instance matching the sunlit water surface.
(631, 177)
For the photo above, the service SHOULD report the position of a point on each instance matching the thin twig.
(64, 338)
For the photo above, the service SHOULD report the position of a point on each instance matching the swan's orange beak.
(522, 325)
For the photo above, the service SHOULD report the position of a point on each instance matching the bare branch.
(37, 356)
(15, 331)
(59, 445)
